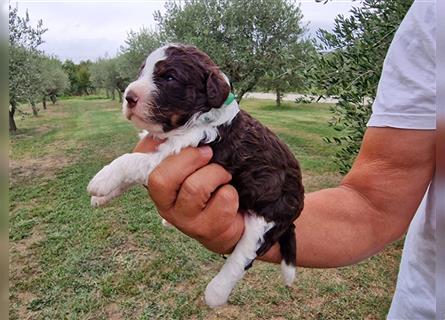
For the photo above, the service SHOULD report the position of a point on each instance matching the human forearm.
(374, 204)
(337, 227)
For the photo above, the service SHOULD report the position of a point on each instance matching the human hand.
(195, 196)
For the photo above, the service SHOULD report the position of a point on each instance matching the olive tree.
(244, 37)
(113, 75)
(349, 67)
(54, 80)
(98, 75)
(116, 73)
(287, 73)
(137, 47)
(24, 77)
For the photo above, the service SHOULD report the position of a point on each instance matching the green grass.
(68, 260)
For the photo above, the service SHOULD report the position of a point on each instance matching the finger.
(147, 144)
(224, 224)
(221, 209)
(198, 188)
(225, 202)
(165, 181)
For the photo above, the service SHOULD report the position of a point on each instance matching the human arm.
(374, 203)
(372, 207)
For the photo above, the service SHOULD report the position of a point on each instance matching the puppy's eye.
(169, 77)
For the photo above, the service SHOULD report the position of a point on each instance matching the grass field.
(69, 261)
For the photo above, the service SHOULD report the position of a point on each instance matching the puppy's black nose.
(131, 98)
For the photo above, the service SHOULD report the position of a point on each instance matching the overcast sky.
(84, 29)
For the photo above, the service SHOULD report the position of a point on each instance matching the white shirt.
(406, 98)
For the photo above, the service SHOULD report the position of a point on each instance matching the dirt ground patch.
(31, 168)
(26, 244)
(44, 166)
(113, 311)
(313, 182)
(22, 266)
(21, 251)
(230, 312)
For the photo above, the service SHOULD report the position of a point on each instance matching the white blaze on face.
(152, 59)
(144, 88)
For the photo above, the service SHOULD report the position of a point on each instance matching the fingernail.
(206, 151)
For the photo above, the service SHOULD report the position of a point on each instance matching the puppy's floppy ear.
(217, 89)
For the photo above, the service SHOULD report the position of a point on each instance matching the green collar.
(229, 99)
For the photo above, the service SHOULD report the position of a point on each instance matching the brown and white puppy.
(181, 96)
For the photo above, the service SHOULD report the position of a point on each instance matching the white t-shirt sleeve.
(406, 94)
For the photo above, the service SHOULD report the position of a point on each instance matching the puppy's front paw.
(105, 182)
(97, 202)
(102, 201)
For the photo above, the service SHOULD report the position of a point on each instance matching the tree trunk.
(240, 94)
(34, 109)
(44, 102)
(243, 91)
(113, 95)
(107, 92)
(278, 97)
(53, 98)
(12, 126)
(120, 95)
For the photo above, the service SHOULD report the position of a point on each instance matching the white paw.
(97, 202)
(288, 273)
(216, 293)
(104, 182)
(102, 201)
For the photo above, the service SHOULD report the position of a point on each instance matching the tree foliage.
(79, 77)
(54, 80)
(21, 33)
(116, 73)
(287, 73)
(111, 75)
(349, 67)
(137, 46)
(99, 75)
(245, 38)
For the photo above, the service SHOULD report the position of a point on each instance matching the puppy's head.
(174, 83)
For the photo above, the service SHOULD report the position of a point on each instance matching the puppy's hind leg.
(219, 289)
